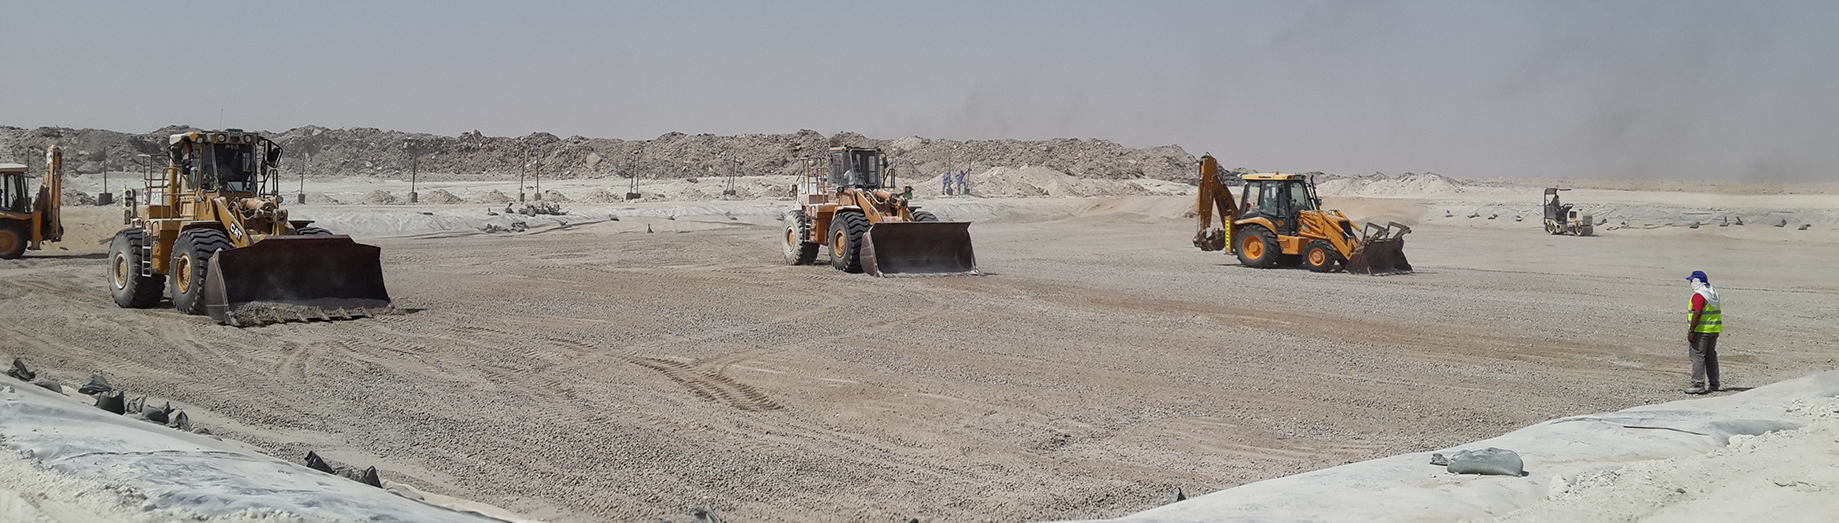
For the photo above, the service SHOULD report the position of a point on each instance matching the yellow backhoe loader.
(869, 228)
(1281, 223)
(27, 223)
(212, 222)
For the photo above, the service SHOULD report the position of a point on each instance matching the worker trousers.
(1704, 351)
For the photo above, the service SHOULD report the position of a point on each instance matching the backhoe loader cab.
(868, 228)
(27, 222)
(1279, 198)
(213, 237)
(13, 196)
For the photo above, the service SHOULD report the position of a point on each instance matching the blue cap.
(1698, 275)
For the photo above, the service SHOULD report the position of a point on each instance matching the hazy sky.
(1667, 89)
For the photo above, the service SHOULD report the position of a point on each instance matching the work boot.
(1697, 389)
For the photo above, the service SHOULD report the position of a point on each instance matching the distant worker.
(945, 185)
(906, 192)
(1702, 336)
(962, 189)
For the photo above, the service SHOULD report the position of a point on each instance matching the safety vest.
(1711, 321)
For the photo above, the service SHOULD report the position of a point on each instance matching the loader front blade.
(1381, 250)
(918, 248)
(1379, 257)
(284, 278)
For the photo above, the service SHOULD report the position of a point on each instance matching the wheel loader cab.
(219, 167)
(857, 168)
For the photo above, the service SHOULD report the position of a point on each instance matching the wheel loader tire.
(126, 285)
(846, 231)
(798, 250)
(13, 239)
(1319, 256)
(191, 258)
(924, 216)
(1257, 247)
(312, 231)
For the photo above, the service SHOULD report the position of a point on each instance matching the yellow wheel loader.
(26, 223)
(868, 228)
(1281, 224)
(212, 236)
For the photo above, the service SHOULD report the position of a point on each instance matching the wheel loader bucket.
(1381, 250)
(918, 248)
(295, 278)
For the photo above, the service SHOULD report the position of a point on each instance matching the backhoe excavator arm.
(49, 226)
(1214, 195)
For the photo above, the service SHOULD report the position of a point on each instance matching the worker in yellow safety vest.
(1702, 334)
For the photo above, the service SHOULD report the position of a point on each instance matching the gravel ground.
(592, 373)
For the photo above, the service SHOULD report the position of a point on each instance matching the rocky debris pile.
(319, 151)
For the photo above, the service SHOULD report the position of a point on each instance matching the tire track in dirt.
(710, 384)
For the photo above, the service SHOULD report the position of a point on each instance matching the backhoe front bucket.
(918, 248)
(1381, 250)
(295, 278)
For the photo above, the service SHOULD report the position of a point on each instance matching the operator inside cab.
(218, 167)
(855, 168)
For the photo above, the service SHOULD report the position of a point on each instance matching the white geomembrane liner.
(1771, 453)
(73, 462)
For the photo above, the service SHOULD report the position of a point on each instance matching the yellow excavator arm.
(1214, 196)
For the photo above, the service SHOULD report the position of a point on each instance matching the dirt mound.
(603, 195)
(1381, 185)
(74, 198)
(322, 199)
(555, 196)
(439, 196)
(380, 198)
(493, 197)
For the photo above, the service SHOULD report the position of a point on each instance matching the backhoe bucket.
(1381, 250)
(295, 278)
(918, 248)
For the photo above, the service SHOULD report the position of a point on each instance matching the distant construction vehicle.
(212, 222)
(1282, 224)
(867, 226)
(1561, 218)
(26, 223)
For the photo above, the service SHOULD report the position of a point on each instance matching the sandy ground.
(595, 371)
